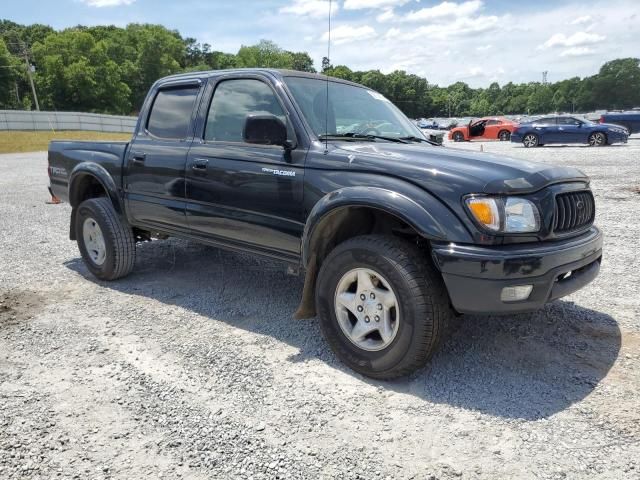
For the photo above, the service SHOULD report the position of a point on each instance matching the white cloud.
(444, 10)
(445, 47)
(582, 20)
(349, 33)
(577, 52)
(392, 32)
(310, 8)
(362, 4)
(575, 40)
(386, 15)
(459, 27)
(107, 3)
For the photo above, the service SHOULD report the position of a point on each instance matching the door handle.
(138, 157)
(199, 165)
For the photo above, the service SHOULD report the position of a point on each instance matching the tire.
(106, 243)
(597, 139)
(530, 140)
(458, 137)
(421, 313)
(504, 135)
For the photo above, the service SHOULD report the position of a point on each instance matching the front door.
(245, 194)
(570, 130)
(155, 163)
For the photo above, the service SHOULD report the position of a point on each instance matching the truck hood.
(463, 171)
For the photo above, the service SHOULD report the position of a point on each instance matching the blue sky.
(474, 41)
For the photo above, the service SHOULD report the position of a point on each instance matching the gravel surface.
(192, 367)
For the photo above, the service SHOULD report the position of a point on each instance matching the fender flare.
(99, 173)
(428, 223)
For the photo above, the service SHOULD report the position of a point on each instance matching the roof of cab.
(278, 73)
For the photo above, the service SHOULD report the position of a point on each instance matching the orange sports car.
(486, 128)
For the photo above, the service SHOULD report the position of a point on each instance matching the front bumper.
(475, 275)
(617, 137)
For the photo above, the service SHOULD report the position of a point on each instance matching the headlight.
(504, 215)
(624, 131)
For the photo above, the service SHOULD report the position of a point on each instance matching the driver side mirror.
(265, 130)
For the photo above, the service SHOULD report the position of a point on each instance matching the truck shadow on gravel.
(520, 366)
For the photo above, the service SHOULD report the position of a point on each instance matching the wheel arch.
(90, 180)
(354, 211)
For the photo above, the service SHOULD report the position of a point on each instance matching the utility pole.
(30, 72)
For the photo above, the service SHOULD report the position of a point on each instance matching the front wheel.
(530, 140)
(382, 306)
(504, 135)
(597, 139)
(106, 243)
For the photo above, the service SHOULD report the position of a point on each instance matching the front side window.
(568, 121)
(170, 115)
(349, 109)
(235, 100)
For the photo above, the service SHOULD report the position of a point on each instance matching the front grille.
(574, 211)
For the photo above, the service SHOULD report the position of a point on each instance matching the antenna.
(326, 108)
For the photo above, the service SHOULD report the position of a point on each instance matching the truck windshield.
(352, 110)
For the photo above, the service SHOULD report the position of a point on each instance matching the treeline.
(109, 69)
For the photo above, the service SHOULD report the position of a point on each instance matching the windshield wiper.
(418, 139)
(354, 135)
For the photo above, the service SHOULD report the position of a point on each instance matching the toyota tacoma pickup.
(392, 233)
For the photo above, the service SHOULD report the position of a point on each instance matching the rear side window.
(494, 122)
(235, 100)
(171, 113)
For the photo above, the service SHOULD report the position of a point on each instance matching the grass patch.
(19, 141)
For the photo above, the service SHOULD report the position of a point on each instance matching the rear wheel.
(382, 306)
(458, 137)
(597, 139)
(106, 243)
(504, 135)
(530, 140)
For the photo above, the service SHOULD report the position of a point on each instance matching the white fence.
(31, 120)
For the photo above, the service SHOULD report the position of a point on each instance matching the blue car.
(564, 129)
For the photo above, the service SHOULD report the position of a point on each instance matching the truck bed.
(65, 155)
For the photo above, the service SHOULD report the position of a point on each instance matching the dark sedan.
(564, 129)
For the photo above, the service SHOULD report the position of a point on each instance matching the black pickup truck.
(392, 233)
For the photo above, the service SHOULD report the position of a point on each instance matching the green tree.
(264, 54)
(617, 84)
(540, 99)
(9, 74)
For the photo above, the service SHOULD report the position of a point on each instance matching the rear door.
(245, 194)
(492, 128)
(547, 130)
(155, 163)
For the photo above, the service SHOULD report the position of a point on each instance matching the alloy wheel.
(94, 241)
(530, 140)
(367, 309)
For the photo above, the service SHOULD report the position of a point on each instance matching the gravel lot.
(192, 367)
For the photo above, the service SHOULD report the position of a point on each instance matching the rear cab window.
(170, 116)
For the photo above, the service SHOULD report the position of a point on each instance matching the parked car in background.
(628, 120)
(487, 128)
(566, 129)
(428, 123)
